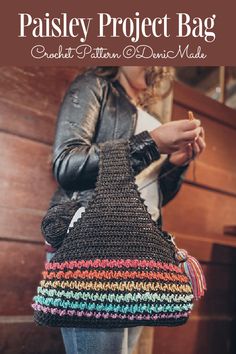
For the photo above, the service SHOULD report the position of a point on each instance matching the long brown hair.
(155, 76)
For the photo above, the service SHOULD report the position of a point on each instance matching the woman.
(103, 104)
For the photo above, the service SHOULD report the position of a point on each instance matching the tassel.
(193, 270)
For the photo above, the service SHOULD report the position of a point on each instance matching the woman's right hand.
(175, 135)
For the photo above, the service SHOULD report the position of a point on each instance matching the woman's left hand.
(180, 157)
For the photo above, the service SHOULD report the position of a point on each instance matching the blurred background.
(216, 82)
(202, 216)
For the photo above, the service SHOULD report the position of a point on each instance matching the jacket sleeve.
(75, 155)
(170, 179)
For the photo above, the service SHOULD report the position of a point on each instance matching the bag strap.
(116, 173)
(115, 170)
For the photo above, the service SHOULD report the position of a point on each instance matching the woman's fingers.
(203, 133)
(201, 143)
(196, 149)
(191, 135)
(189, 151)
(187, 125)
(198, 146)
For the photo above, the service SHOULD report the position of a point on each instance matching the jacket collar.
(122, 90)
(124, 109)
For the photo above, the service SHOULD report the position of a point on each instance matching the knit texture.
(115, 268)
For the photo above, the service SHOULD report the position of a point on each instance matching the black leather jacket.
(94, 110)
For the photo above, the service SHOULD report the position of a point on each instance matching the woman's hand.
(191, 151)
(176, 136)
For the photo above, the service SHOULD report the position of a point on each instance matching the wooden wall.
(29, 101)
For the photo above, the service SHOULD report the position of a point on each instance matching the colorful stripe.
(110, 274)
(117, 286)
(112, 263)
(130, 297)
(107, 315)
(119, 308)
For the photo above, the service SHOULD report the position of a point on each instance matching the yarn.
(56, 222)
(193, 270)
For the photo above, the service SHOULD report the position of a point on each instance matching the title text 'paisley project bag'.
(115, 266)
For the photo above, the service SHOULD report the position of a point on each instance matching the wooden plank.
(27, 123)
(25, 174)
(199, 335)
(21, 265)
(28, 338)
(199, 212)
(190, 98)
(40, 88)
(21, 223)
(211, 177)
(30, 99)
(24, 171)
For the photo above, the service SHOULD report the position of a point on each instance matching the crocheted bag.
(116, 267)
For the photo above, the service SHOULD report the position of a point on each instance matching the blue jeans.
(98, 340)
